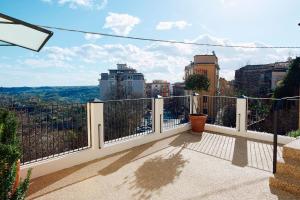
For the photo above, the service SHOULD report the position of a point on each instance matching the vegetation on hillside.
(78, 94)
(290, 84)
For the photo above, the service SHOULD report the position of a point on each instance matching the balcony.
(184, 166)
(144, 149)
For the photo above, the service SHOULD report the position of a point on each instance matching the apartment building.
(121, 83)
(207, 65)
(260, 80)
(158, 87)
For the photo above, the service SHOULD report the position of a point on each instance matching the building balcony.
(143, 149)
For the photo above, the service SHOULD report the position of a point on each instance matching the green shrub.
(197, 83)
(294, 133)
(10, 153)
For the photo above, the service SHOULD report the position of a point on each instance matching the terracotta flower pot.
(17, 181)
(198, 122)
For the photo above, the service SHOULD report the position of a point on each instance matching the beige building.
(207, 65)
(226, 88)
(158, 87)
(279, 72)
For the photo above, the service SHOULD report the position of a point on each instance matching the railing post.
(299, 110)
(158, 114)
(88, 112)
(153, 114)
(275, 136)
(96, 124)
(241, 115)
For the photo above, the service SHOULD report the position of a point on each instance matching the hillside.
(71, 94)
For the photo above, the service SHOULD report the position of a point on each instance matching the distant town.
(125, 82)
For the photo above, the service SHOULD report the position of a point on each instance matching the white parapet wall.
(266, 137)
(97, 147)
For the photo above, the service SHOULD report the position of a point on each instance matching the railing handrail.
(219, 96)
(275, 99)
(118, 100)
(175, 96)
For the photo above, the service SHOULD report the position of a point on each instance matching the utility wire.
(171, 41)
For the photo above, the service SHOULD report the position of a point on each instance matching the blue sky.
(78, 59)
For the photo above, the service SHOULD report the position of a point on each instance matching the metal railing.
(127, 118)
(260, 115)
(276, 116)
(47, 131)
(220, 110)
(176, 111)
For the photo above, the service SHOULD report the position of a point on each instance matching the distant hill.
(72, 94)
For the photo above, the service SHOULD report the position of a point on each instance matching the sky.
(74, 59)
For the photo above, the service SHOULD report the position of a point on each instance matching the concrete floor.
(185, 166)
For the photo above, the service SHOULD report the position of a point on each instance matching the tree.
(10, 153)
(197, 83)
(289, 86)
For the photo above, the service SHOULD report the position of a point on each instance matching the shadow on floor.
(155, 173)
(162, 170)
(127, 158)
(206, 143)
(103, 166)
(240, 152)
(40, 183)
(237, 150)
(186, 139)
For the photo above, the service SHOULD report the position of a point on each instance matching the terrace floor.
(185, 166)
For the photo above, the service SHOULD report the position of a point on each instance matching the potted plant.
(197, 83)
(10, 152)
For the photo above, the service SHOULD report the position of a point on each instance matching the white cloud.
(231, 59)
(92, 37)
(155, 60)
(91, 4)
(45, 63)
(167, 25)
(121, 24)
